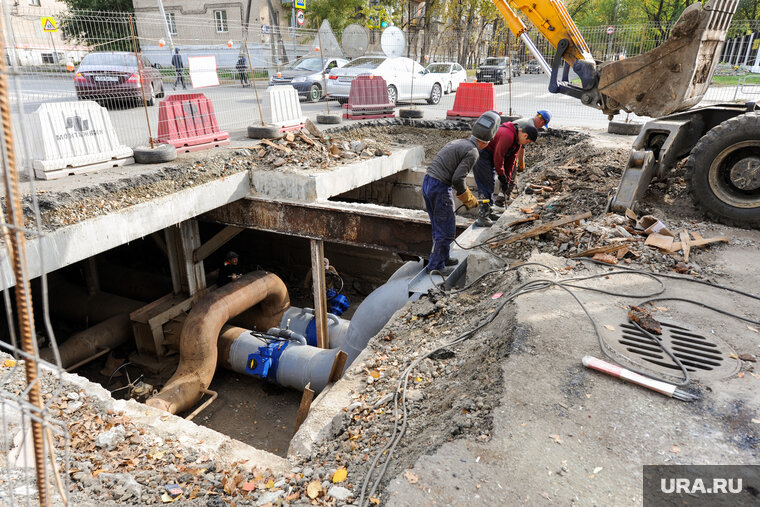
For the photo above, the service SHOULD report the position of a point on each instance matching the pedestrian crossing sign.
(48, 24)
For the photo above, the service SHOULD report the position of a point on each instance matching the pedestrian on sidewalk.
(499, 157)
(449, 169)
(179, 69)
(241, 67)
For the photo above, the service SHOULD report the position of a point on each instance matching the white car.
(397, 73)
(449, 73)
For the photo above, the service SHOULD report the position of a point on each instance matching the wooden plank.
(216, 242)
(303, 408)
(600, 250)
(306, 139)
(697, 236)
(541, 187)
(660, 241)
(337, 367)
(541, 229)
(276, 146)
(320, 296)
(685, 239)
(523, 220)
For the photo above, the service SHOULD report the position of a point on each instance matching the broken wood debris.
(541, 229)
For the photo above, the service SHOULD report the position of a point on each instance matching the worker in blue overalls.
(449, 169)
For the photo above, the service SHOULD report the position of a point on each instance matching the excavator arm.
(670, 78)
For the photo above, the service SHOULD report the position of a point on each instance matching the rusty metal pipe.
(198, 341)
(108, 334)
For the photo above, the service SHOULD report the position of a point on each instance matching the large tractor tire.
(723, 172)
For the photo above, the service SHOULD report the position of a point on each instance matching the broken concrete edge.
(79, 241)
(164, 425)
(325, 184)
(400, 122)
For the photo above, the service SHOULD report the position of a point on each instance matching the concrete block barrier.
(472, 100)
(187, 122)
(285, 108)
(73, 138)
(368, 98)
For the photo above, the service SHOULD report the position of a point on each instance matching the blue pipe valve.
(263, 364)
(338, 302)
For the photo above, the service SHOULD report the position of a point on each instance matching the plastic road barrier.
(73, 138)
(187, 121)
(472, 100)
(285, 108)
(368, 98)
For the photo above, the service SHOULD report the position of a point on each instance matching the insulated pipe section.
(200, 333)
(301, 321)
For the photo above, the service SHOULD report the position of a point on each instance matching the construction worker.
(231, 270)
(540, 121)
(449, 169)
(499, 157)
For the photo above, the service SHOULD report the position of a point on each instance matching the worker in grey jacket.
(449, 169)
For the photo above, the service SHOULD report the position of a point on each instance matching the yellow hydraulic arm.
(551, 18)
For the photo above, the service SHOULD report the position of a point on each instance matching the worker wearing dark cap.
(449, 169)
(499, 157)
(231, 270)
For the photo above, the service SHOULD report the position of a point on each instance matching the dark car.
(532, 67)
(305, 75)
(115, 75)
(493, 70)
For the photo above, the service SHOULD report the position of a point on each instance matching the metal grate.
(703, 357)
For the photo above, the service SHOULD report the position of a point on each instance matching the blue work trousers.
(484, 174)
(439, 201)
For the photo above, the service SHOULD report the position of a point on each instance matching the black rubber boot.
(483, 211)
(500, 201)
(452, 262)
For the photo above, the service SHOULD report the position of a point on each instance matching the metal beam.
(363, 225)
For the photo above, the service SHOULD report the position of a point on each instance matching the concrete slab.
(325, 184)
(70, 244)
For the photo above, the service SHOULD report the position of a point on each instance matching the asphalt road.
(236, 108)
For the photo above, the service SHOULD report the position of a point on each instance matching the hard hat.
(486, 126)
(231, 255)
(546, 115)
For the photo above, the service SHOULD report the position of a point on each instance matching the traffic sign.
(48, 24)
(300, 17)
(300, 4)
(610, 30)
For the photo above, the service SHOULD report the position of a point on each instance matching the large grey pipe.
(303, 364)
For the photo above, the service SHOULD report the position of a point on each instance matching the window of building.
(220, 17)
(171, 22)
(34, 2)
(48, 58)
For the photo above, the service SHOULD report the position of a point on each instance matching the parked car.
(305, 75)
(450, 75)
(397, 73)
(532, 67)
(115, 75)
(493, 70)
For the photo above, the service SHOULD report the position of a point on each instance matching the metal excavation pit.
(705, 358)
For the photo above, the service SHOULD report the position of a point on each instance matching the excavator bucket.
(675, 75)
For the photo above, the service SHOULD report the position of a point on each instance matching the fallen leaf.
(748, 357)
(557, 439)
(314, 489)
(733, 356)
(375, 501)
(340, 475)
(675, 449)
(611, 328)
(527, 211)
(740, 375)
(9, 363)
(293, 496)
(270, 484)
(374, 374)
(249, 486)
(411, 477)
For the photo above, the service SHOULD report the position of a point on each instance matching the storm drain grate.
(703, 357)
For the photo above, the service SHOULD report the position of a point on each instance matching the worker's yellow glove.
(468, 199)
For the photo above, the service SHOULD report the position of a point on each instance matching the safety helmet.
(486, 126)
(546, 115)
(231, 255)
